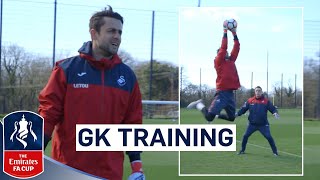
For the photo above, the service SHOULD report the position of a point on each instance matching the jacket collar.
(102, 64)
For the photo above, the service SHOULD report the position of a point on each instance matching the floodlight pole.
(252, 91)
(3, 101)
(318, 101)
(295, 90)
(267, 74)
(151, 56)
(54, 33)
(181, 79)
(281, 90)
(200, 85)
(1, 43)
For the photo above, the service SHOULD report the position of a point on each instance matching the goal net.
(160, 109)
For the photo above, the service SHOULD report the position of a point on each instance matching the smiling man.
(94, 87)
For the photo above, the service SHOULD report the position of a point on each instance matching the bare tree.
(12, 56)
(24, 76)
(289, 91)
(277, 91)
(126, 58)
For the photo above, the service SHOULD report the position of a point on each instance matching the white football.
(232, 23)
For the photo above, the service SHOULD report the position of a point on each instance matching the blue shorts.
(223, 100)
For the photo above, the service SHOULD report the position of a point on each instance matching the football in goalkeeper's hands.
(232, 24)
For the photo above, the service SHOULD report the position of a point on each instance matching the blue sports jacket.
(258, 109)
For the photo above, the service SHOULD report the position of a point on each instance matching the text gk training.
(156, 137)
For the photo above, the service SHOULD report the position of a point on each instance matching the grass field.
(164, 165)
(259, 158)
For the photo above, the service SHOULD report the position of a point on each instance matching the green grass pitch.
(258, 158)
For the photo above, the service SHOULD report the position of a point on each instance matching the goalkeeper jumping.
(227, 81)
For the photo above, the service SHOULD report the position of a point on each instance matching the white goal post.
(160, 109)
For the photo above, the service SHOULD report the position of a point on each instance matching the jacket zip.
(102, 97)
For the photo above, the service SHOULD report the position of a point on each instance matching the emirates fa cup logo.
(23, 144)
(23, 131)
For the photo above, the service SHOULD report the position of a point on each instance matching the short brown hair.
(96, 20)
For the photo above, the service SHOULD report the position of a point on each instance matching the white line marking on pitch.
(269, 148)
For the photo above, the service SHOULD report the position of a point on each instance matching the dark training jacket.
(258, 109)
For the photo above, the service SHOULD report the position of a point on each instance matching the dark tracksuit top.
(82, 90)
(227, 74)
(258, 109)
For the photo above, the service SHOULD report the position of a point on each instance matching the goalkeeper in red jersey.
(227, 81)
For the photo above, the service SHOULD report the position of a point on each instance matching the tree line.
(311, 85)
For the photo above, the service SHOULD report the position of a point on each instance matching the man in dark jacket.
(227, 81)
(95, 87)
(258, 107)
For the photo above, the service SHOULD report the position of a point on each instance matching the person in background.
(258, 107)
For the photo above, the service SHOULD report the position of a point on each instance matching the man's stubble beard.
(106, 51)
